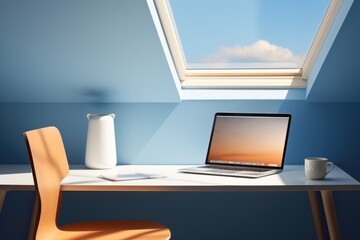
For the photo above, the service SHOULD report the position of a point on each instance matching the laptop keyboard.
(237, 171)
(233, 168)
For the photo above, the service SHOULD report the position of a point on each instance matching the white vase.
(100, 142)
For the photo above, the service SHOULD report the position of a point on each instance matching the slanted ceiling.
(338, 79)
(81, 51)
(109, 51)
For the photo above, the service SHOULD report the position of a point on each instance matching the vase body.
(100, 142)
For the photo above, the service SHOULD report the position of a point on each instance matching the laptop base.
(210, 170)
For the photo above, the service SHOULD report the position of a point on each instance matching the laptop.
(249, 145)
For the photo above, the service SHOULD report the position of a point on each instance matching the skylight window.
(245, 43)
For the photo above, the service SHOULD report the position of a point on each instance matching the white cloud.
(260, 51)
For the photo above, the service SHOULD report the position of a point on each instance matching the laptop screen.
(257, 140)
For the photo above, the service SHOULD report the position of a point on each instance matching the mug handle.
(330, 166)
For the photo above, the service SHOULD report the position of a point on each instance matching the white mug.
(316, 168)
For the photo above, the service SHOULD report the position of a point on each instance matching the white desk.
(19, 177)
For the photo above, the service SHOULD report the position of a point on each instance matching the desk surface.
(292, 178)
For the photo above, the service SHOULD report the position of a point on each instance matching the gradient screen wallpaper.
(249, 140)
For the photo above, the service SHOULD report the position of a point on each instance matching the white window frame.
(243, 78)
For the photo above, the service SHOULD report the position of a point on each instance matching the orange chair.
(49, 166)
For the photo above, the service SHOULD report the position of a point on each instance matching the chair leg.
(2, 198)
(34, 218)
(330, 214)
(314, 203)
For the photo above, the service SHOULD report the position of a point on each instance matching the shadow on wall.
(135, 126)
(178, 133)
(96, 95)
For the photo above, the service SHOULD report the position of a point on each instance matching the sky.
(230, 31)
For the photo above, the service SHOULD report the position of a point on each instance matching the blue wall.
(178, 133)
(110, 52)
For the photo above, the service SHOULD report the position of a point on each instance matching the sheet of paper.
(129, 176)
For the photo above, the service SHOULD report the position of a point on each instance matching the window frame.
(243, 78)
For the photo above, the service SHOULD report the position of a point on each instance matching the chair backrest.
(49, 166)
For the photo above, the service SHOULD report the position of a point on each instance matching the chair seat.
(113, 230)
